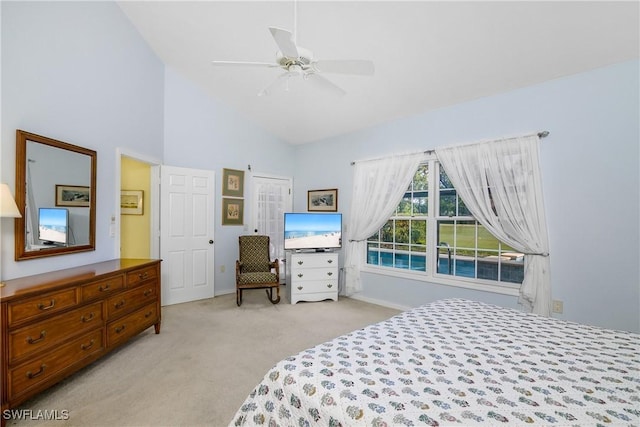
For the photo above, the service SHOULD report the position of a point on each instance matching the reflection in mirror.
(55, 191)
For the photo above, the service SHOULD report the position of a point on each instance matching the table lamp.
(8, 207)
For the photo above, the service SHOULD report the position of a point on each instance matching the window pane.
(447, 203)
(465, 238)
(418, 232)
(420, 201)
(445, 260)
(418, 258)
(445, 232)
(404, 208)
(421, 178)
(462, 208)
(402, 231)
(373, 254)
(387, 232)
(487, 244)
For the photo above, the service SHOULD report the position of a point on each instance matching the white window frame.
(431, 276)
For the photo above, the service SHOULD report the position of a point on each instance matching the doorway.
(271, 198)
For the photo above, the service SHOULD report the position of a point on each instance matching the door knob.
(211, 242)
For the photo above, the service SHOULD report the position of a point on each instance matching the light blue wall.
(77, 72)
(590, 176)
(202, 133)
(82, 74)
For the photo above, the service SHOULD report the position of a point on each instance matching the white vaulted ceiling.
(427, 54)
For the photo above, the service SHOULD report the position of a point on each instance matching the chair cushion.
(257, 277)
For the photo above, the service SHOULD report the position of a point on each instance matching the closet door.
(187, 225)
(271, 198)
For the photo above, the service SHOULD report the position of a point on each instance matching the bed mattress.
(456, 362)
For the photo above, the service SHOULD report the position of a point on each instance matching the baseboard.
(380, 302)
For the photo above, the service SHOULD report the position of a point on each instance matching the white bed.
(456, 362)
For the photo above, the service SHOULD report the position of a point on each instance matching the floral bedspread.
(456, 362)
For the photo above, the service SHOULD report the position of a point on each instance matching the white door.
(271, 199)
(186, 234)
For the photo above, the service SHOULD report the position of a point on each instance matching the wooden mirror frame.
(21, 252)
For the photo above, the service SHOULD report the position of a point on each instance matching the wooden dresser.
(55, 323)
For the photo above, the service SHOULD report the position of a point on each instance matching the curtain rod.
(541, 134)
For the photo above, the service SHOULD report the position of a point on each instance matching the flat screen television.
(53, 226)
(310, 230)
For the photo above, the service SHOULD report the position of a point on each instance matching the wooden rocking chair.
(254, 269)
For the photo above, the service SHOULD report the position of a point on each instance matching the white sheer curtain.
(378, 187)
(499, 181)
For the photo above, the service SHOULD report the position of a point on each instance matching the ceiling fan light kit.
(297, 61)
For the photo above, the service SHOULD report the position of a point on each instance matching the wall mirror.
(56, 195)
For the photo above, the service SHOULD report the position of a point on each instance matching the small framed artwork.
(72, 195)
(322, 200)
(232, 183)
(131, 202)
(232, 211)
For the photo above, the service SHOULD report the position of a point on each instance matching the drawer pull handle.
(146, 316)
(37, 340)
(40, 371)
(105, 288)
(120, 329)
(329, 286)
(143, 276)
(329, 261)
(86, 319)
(41, 306)
(300, 262)
(87, 346)
(119, 304)
(148, 292)
(299, 288)
(300, 274)
(329, 273)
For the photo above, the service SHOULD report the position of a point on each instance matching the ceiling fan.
(297, 61)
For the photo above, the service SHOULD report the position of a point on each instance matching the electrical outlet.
(557, 306)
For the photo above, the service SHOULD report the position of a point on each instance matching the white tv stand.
(312, 276)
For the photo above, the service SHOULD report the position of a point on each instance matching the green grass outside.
(465, 238)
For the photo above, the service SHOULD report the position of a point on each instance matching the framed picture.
(232, 183)
(72, 195)
(131, 202)
(322, 200)
(232, 211)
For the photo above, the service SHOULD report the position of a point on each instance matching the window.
(433, 234)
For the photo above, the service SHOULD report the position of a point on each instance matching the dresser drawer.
(41, 305)
(311, 286)
(102, 288)
(45, 334)
(137, 277)
(27, 376)
(314, 261)
(132, 324)
(314, 274)
(128, 301)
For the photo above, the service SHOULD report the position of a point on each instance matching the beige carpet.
(197, 372)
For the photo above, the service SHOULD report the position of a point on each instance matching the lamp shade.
(8, 208)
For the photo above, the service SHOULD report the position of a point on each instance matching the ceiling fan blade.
(324, 84)
(245, 63)
(284, 40)
(281, 80)
(349, 66)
